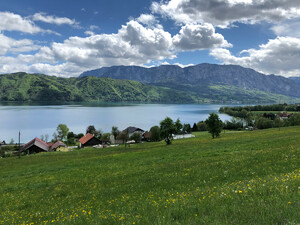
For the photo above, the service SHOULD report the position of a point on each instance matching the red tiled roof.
(86, 138)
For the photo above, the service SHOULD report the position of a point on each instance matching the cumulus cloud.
(287, 28)
(140, 41)
(195, 36)
(278, 56)
(147, 19)
(14, 22)
(43, 17)
(89, 33)
(133, 44)
(16, 46)
(223, 13)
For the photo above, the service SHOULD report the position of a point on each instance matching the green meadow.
(240, 178)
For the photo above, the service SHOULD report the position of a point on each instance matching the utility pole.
(19, 144)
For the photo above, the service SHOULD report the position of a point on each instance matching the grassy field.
(239, 178)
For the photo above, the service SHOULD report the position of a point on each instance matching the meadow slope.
(240, 178)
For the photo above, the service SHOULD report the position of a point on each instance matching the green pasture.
(240, 178)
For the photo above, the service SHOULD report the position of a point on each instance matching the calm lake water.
(36, 120)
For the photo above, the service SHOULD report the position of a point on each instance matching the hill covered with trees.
(41, 88)
(23, 87)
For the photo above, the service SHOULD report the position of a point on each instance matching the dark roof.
(37, 142)
(57, 144)
(86, 138)
(131, 130)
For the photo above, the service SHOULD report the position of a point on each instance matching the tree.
(46, 137)
(202, 126)
(62, 131)
(178, 126)
(80, 135)
(115, 131)
(214, 125)
(92, 130)
(278, 122)
(294, 120)
(167, 128)
(136, 137)
(42, 137)
(105, 137)
(263, 123)
(187, 128)
(155, 133)
(55, 137)
(71, 138)
(124, 135)
(195, 128)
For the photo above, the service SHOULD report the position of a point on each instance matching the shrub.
(136, 137)
(263, 123)
(155, 134)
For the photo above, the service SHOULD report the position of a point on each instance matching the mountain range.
(203, 83)
(296, 79)
(197, 78)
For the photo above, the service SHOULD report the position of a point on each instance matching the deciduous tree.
(62, 131)
(214, 125)
(155, 133)
(167, 128)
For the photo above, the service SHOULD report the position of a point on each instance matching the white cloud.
(16, 46)
(278, 56)
(287, 28)
(43, 17)
(193, 37)
(94, 27)
(182, 65)
(89, 33)
(132, 45)
(14, 22)
(225, 12)
(147, 19)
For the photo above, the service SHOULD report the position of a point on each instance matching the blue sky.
(65, 38)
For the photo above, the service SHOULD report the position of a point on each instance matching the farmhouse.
(37, 145)
(285, 115)
(57, 145)
(89, 140)
(131, 130)
(146, 136)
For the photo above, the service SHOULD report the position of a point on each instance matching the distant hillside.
(41, 88)
(37, 87)
(296, 79)
(201, 76)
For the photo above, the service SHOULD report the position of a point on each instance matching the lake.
(36, 120)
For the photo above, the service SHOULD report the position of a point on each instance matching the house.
(283, 115)
(89, 140)
(131, 130)
(57, 145)
(36, 145)
(146, 136)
